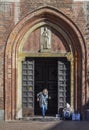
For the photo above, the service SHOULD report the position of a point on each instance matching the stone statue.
(45, 38)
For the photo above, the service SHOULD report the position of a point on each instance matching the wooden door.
(63, 82)
(40, 73)
(28, 88)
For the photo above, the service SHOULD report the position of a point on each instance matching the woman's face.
(45, 91)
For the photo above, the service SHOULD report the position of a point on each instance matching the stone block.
(1, 114)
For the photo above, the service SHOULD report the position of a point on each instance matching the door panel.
(27, 88)
(63, 83)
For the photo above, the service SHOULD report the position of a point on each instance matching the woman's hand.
(37, 99)
(49, 97)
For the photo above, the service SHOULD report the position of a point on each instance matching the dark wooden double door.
(50, 73)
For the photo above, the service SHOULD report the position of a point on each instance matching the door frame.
(22, 57)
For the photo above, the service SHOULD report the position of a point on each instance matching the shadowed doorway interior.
(46, 77)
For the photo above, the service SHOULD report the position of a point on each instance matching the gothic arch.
(44, 15)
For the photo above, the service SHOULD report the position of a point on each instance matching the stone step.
(40, 118)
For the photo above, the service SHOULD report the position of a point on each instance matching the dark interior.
(46, 77)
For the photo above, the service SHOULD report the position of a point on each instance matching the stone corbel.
(69, 56)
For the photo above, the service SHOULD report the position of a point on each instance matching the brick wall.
(6, 25)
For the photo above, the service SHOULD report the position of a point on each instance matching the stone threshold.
(40, 118)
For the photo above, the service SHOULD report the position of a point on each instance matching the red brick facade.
(68, 22)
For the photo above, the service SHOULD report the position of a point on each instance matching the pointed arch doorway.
(71, 42)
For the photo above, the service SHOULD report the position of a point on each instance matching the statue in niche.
(45, 39)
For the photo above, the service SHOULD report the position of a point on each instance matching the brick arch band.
(47, 15)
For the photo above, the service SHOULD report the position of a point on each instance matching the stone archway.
(67, 29)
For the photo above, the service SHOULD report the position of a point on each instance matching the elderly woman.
(67, 111)
(42, 97)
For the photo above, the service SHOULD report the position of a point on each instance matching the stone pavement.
(44, 125)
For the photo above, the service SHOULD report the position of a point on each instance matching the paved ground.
(44, 125)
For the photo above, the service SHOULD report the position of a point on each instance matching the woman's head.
(45, 91)
(67, 105)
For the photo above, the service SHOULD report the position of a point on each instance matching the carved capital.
(69, 56)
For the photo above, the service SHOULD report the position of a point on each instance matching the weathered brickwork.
(28, 6)
(32, 43)
(6, 25)
(11, 13)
